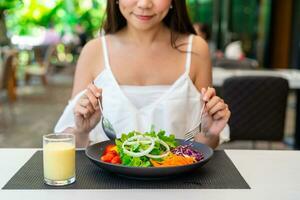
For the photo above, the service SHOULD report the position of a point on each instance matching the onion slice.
(138, 154)
(162, 155)
(139, 139)
(139, 142)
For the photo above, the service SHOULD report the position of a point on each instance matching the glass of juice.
(59, 159)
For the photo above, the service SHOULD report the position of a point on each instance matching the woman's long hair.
(177, 20)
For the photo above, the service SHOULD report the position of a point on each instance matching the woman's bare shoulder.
(200, 46)
(89, 65)
(201, 63)
(92, 52)
(91, 57)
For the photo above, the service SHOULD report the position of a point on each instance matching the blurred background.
(40, 42)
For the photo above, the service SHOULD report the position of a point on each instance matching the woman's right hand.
(87, 112)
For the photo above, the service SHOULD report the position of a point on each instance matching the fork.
(190, 134)
(106, 124)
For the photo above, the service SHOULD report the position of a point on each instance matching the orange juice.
(59, 161)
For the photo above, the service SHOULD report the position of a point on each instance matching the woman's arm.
(217, 110)
(88, 66)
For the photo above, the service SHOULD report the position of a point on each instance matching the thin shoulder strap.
(189, 54)
(105, 52)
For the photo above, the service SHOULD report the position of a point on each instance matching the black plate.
(95, 151)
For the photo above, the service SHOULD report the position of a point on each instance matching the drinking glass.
(59, 159)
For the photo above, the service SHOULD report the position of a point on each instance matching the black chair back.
(258, 107)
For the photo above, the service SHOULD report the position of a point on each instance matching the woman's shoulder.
(92, 48)
(91, 56)
(201, 65)
(89, 65)
(200, 45)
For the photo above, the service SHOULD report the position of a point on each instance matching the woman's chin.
(144, 26)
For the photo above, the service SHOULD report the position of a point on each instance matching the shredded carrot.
(173, 160)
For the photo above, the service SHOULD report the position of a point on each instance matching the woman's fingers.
(203, 90)
(95, 91)
(81, 111)
(212, 102)
(208, 93)
(219, 105)
(219, 115)
(215, 106)
(222, 114)
(84, 102)
(84, 106)
(90, 109)
(92, 98)
(87, 104)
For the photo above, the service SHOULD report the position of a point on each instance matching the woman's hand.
(216, 113)
(87, 111)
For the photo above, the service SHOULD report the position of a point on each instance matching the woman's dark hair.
(204, 29)
(177, 20)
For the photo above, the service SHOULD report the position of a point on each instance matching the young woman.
(148, 69)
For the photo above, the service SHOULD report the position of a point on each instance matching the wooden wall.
(280, 44)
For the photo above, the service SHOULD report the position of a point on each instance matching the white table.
(292, 75)
(270, 174)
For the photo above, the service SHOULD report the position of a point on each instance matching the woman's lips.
(144, 17)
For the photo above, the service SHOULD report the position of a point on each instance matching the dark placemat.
(218, 173)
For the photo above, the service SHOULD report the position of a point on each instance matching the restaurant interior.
(254, 48)
(40, 43)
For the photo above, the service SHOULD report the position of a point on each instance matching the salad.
(150, 149)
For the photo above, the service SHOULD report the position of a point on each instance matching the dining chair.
(42, 62)
(258, 107)
(8, 78)
(8, 82)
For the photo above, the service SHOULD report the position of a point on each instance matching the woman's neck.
(146, 38)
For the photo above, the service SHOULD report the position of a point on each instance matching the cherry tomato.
(116, 160)
(110, 156)
(105, 158)
(110, 148)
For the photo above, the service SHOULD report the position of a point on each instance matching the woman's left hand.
(216, 113)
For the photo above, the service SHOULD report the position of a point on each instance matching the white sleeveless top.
(137, 94)
(174, 108)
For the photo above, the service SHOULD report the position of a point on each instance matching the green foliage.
(200, 10)
(7, 4)
(64, 15)
(244, 12)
